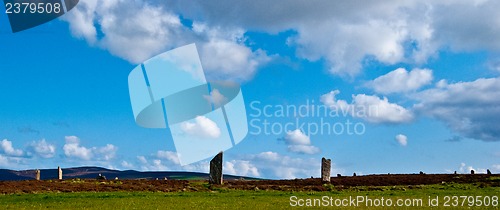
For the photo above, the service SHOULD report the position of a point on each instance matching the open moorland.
(253, 194)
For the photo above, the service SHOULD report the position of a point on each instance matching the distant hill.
(93, 172)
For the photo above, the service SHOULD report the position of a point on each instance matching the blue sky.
(430, 70)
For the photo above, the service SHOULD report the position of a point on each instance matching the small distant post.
(472, 172)
(325, 169)
(37, 174)
(59, 173)
(216, 170)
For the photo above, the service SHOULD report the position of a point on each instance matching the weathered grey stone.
(325, 169)
(216, 170)
(37, 174)
(59, 173)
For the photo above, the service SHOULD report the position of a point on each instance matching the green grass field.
(221, 198)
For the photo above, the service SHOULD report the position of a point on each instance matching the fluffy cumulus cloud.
(126, 165)
(344, 34)
(280, 166)
(9, 150)
(298, 142)
(168, 155)
(11, 157)
(401, 139)
(464, 168)
(73, 149)
(216, 98)
(265, 164)
(367, 107)
(201, 127)
(400, 80)
(496, 168)
(241, 168)
(42, 149)
(469, 108)
(138, 30)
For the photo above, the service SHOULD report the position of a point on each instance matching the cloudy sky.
(377, 86)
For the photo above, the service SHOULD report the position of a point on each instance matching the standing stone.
(37, 174)
(59, 173)
(325, 169)
(488, 171)
(216, 170)
(471, 171)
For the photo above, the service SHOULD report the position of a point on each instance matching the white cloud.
(298, 142)
(202, 127)
(126, 165)
(72, 149)
(370, 108)
(496, 168)
(241, 168)
(464, 168)
(133, 30)
(400, 80)
(106, 153)
(43, 149)
(265, 164)
(168, 155)
(478, 23)
(3, 161)
(142, 159)
(304, 149)
(469, 108)
(138, 30)
(6, 147)
(297, 137)
(216, 98)
(271, 156)
(401, 139)
(224, 54)
(272, 164)
(12, 162)
(344, 34)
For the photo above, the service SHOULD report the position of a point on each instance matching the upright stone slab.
(59, 173)
(216, 169)
(325, 169)
(37, 174)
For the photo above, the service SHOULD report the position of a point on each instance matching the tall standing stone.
(37, 174)
(59, 171)
(216, 170)
(325, 169)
